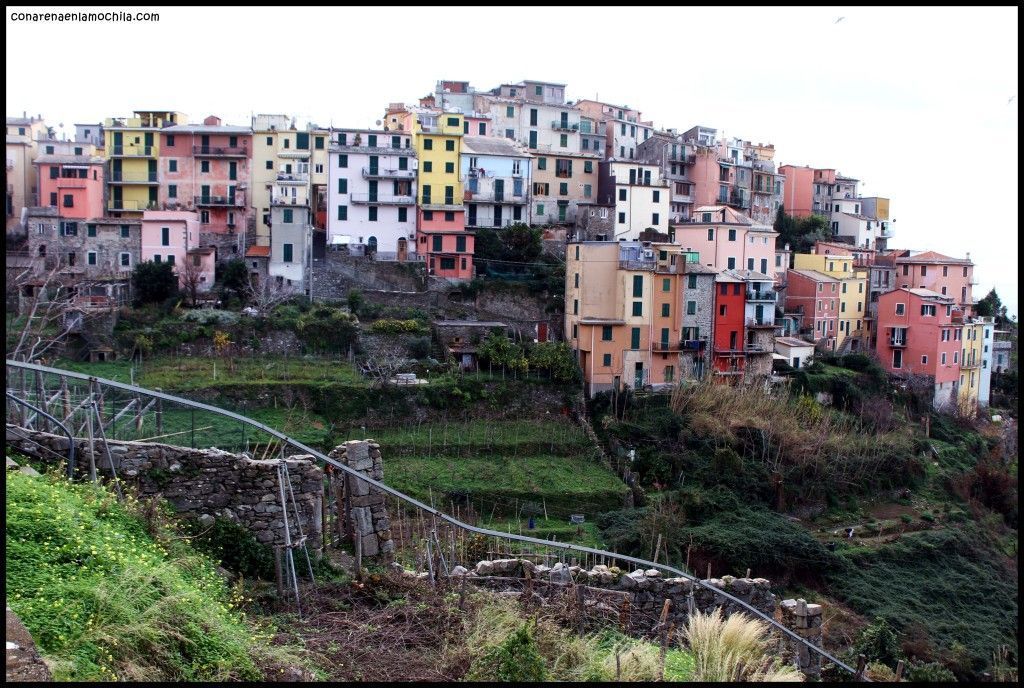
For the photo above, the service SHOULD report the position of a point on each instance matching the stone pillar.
(368, 512)
(804, 620)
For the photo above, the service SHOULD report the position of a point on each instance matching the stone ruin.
(364, 505)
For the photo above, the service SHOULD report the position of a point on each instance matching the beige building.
(640, 195)
(283, 153)
(561, 183)
(23, 134)
(853, 320)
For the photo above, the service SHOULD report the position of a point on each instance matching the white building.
(496, 174)
(372, 193)
(987, 356)
(291, 234)
(797, 352)
(640, 195)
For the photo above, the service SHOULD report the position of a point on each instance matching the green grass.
(560, 437)
(568, 485)
(559, 528)
(105, 601)
(191, 373)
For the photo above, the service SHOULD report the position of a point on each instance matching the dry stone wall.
(205, 482)
(364, 504)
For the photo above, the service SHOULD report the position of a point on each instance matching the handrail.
(71, 438)
(415, 502)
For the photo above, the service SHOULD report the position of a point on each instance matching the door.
(759, 313)
(638, 375)
(373, 190)
(371, 244)
(497, 216)
(118, 201)
(151, 169)
(796, 362)
(403, 249)
(116, 171)
(471, 210)
(118, 141)
(542, 332)
(499, 190)
(565, 120)
(205, 141)
(232, 170)
(149, 142)
(204, 193)
(373, 164)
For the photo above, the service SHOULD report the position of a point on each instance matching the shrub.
(354, 301)
(234, 547)
(514, 660)
(932, 672)
(211, 316)
(154, 282)
(879, 642)
(419, 348)
(394, 326)
(733, 649)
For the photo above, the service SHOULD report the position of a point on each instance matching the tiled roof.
(814, 275)
(932, 257)
(258, 252)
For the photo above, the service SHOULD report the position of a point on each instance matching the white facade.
(797, 352)
(496, 176)
(291, 244)
(985, 383)
(641, 198)
(372, 192)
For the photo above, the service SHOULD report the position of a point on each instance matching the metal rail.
(415, 502)
(71, 438)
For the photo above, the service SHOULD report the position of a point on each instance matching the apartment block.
(987, 357)
(861, 221)
(132, 147)
(640, 195)
(854, 323)
(728, 240)
(372, 193)
(814, 297)
(22, 181)
(91, 249)
(918, 335)
(73, 184)
(561, 185)
(498, 176)
(670, 151)
(953, 277)
(624, 127)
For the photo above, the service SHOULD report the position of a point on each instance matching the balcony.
(220, 151)
(974, 363)
(113, 204)
(760, 324)
(387, 173)
(71, 183)
(288, 200)
(897, 343)
(124, 178)
(756, 349)
(220, 201)
(491, 196)
(667, 346)
(449, 205)
(558, 125)
(293, 178)
(685, 159)
(694, 345)
(768, 295)
(131, 151)
(638, 264)
(382, 199)
(737, 200)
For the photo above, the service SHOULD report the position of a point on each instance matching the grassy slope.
(104, 601)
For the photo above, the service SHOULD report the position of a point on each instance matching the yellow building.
(22, 149)
(132, 146)
(972, 338)
(853, 319)
(281, 152)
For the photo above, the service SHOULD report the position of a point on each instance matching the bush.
(734, 649)
(327, 330)
(515, 660)
(419, 348)
(154, 282)
(234, 547)
(932, 672)
(393, 326)
(879, 642)
(354, 301)
(211, 316)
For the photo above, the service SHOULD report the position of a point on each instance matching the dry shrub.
(734, 649)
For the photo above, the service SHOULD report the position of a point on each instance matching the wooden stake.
(359, 554)
(657, 549)
(899, 670)
(861, 663)
(709, 571)
(278, 574)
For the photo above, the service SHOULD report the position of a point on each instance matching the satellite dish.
(377, 123)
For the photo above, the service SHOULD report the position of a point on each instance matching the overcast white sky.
(911, 101)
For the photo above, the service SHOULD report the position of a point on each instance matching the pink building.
(953, 277)
(917, 335)
(207, 168)
(727, 240)
(71, 183)
(814, 297)
(477, 124)
(799, 190)
(711, 181)
(169, 236)
(446, 244)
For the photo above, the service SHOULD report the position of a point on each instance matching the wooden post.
(624, 616)
(581, 606)
(618, 667)
(709, 571)
(545, 502)
(899, 670)
(325, 498)
(663, 636)
(359, 554)
(92, 444)
(339, 508)
(657, 549)
(861, 663)
(159, 415)
(65, 395)
(462, 594)
(748, 574)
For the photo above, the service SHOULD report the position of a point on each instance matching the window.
(342, 186)
(270, 164)
(897, 358)
(287, 249)
(124, 232)
(449, 216)
(588, 165)
(575, 307)
(722, 310)
(587, 191)
(482, 128)
(666, 283)
(460, 244)
(436, 242)
(634, 338)
(844, 287)
(928, 310)
(156, 258)
(750, 263)
(126, 260)
(540, 211)
(731, 263)
(449, 145)
(428, 166)
(691, 308)
(691, 281)
(622, 218)
(449, 168)
(656, 196)
(563, 189)
(622, 194)
(90, 258)
(342, 161)
(69, 201)
(538, 90)
(607, 360)
(542, 163)
(606, 333)
(428, 144)
(638, 285)
(665, 310)
(403, 214)
(172, 165)
(654, 218)
(900, 308)
(540, 189)
(924, 270)
(342, 212)
(638, 308)
(711, 233)
(165, 236)
(90, 230)
(204, 166)
(956, 357)
(732, 235)
(510, 111)
(373, 213)
(288, 215)
(510, 133)
(563, 140)
(563, 168)
(170, 259)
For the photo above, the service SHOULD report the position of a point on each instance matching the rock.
(11, 463)
(485, 568)
(206, 520)
(174, 467)
(460, 571)
(652, 573)
(29, 471)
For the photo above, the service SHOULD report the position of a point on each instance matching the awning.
(341, 240)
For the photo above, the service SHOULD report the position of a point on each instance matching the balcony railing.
(754, 322)
(897, 343)
(288, 200)
(491, 196)
(565, 126)
(448, 204)
(71, 183)
(383, 199)
(293, 177)
(768, 295)
(232, 201)
(387, 173)
(694, 344)
(130, 205)
(638, 264)
(131, 151)
(221, 151)
(122, 178)
(667, 346)
(755, 349)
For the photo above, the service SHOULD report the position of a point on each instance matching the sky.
(918, 103)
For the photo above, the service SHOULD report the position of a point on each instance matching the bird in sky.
(839, 20)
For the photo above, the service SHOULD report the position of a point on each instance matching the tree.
(263, 299)
(800, 233)
(234, 279)
(191, 279)
(355, 301)
(992, 307)
(154, 282)
(46, 317)
(384, 360)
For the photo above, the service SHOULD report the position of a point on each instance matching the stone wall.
(364, 504)
(205, 482)
(337, 273)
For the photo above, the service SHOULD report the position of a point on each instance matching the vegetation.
(105, 600)
(233, 277)
(154, 282)
(555, 359)
(800, 233)
(734, 649)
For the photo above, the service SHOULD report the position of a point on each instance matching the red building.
(73, 184)
(919, 333)
(729, 358)
(814, 297)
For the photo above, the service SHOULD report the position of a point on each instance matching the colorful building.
(918, 335)
(669, 151)
(624, 127)
(372, 193)
(730, 352)
(22, 183)
(728, 240)
(133, 151)
(498, 174)
(73, 184)
(987, 357)
(853, 320)
(441, 235)
(168, 236)
(561, 185)
(953, 277)
(814, 298)
(207, 168)
(972, 344)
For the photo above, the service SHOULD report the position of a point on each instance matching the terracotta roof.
(932, 257)
(929, 294)
(814, 275)
(258, 252)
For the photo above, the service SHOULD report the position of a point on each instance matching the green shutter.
(634, 338)
(638, 286)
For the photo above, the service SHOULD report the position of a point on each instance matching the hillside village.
(552, 317)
